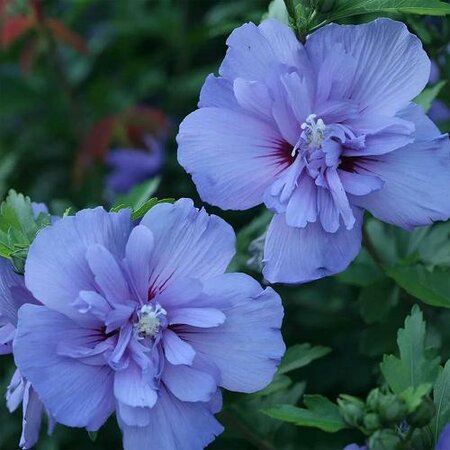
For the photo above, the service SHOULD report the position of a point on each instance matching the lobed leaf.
(18, 227)
(414, 367)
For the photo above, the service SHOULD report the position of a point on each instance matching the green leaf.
(302, 16)
(249, 409)
(441, 396)
(149, 204)
(434, 248)
(279, 383)
(321, 413)
(348, 8)
(18, 227)
(16, 213)
(18, 258)
(413, 397)
(429, 286)
(414, 367)
(426, 98)
(300, 355)
(136, 198)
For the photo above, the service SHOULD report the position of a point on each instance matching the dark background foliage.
(55, 87)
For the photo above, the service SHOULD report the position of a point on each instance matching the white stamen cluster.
(313, 130)
(313, 133)
(149, 320)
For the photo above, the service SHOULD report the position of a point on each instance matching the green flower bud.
(385, 440)
(423, 414)
(392, 410)
(372, 422)
(373, 399)
(351, 409)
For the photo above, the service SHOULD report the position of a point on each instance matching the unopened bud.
(373, 399)
(385, 440)
(351, 409)
(392, 410)
(372, 422)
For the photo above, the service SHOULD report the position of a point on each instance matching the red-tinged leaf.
(135, 122)
(63, 34)
(15, 27)
(136, 135)
(142, 119)
(95, 146)
(97, 140)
